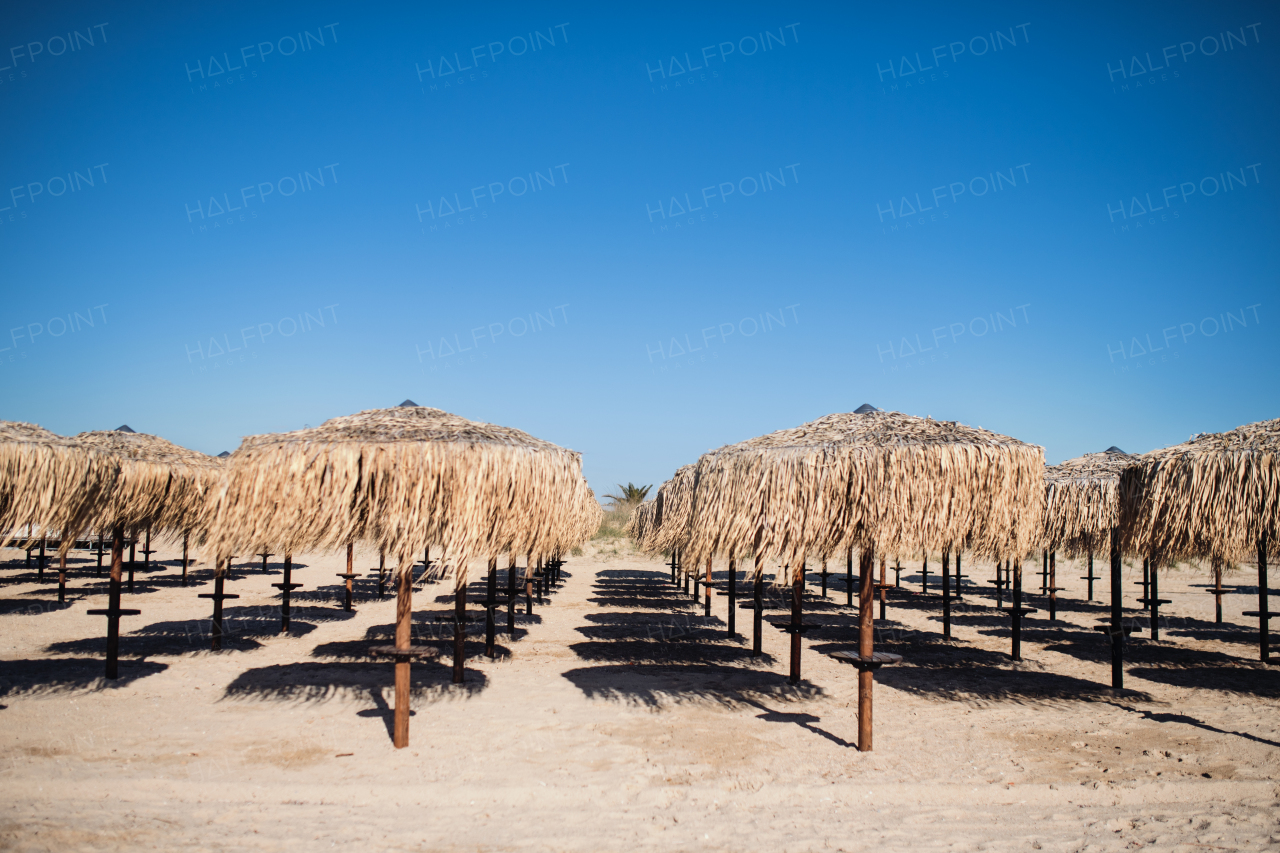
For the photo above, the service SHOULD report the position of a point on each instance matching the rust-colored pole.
(797, 590)
(459, 629)
(757, 616)
(733, 596)
(382, 573)
(215, 633)
(706, 606)
(528, 585)
(404, 620)
(62, 575)
(1264, 603)
(490, 626)
(511, 595)
(1217, 590)
(1117, 613)
(848, 579)
(1053, 586)
(883, 581)
(1017, 609)
(866, 647)
(286, 588)
(350, 572)
(113, 601)
(946, 595)
(1155, 601)
(185, 537)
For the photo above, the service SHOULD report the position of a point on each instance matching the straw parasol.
(402, 479)
(1215, 495)
(47, 481)
(156, 484)
(879, 480)
(1082, 501)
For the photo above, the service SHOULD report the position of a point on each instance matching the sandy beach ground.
(619, 718)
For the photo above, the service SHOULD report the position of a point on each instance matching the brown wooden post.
(215, 634)
(185, 537)
(1117, 614)
(883, 581)
(133, 540)
(490, 626)
(350, 573)
(706, 607)
(848, 579)
(733, 596)
(1091, 576)
(62, 575)
(404, 620)
(40, 561)
(924, 574)
(959, 592)
(113, 601)
(1017, 609)
(757, 616)
(146, 553)
(797, 590)
(1053, 586)
(459, 628)
(824, 578)
(511, 595)
(1264, 603)
(866, 647)
(1217, 590)
(382, 573)
(286, 588)
(98, 572)
(1155, 600)
(528, 585)
(946, 594)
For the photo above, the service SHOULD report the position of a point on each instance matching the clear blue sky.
(641, 234)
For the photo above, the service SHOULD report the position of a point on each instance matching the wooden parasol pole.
(797, 589)
(185, 537)
(757, 616)
(404, 618)
(1117, 617)
(1217, 590)
(490, 626)
(946, 594)
(1264, 605)
(866, 647)
(848, 578)
(883, 565)
(706, 607)
(733, 596)
(1017, 609)
(459, 629)
(62, 576)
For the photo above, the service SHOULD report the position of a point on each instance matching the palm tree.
(629, 495)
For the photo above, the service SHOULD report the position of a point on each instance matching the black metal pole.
(490, 628)
(1264, 606)
(848, 579)
(1017, 609)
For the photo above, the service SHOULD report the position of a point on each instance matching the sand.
(619, 718)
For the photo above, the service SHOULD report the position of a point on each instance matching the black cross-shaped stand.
(285, 587)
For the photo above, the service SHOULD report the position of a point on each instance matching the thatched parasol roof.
(158, 483)
(1211, 496)
(403, 478)
(45, 481)
(640, 526)
(894, 481)
(672, 512)
(1082, 501)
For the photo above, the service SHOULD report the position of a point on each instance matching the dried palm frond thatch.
(673, 512)
(157, 484)
(402, 479)
(640, 525)
(896, 482)
(1082, 501)
(1213, 496)
(46, 481)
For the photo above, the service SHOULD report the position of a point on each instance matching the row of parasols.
(886, 483)
(402, 480)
